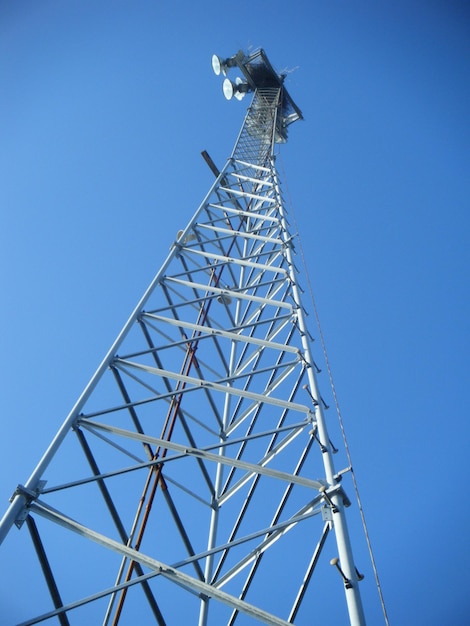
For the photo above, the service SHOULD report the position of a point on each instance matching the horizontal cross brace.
(160, 461)
(203, 454)
(250, 214)
(256, 181)
(245, 235)
(246, 194)
(224, 388)
(226, 334)
(229, 292)
(253, 166)
(228, 259)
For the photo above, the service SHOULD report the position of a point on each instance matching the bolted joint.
(29, 496)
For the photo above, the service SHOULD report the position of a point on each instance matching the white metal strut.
(197, 460)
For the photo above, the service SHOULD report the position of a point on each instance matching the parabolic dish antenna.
(217, 65)
(237, 89)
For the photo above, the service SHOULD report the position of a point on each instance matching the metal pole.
(353, 598)
(19, 501)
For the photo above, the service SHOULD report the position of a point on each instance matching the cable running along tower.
(193, 481)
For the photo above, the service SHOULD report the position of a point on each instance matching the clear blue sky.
(104, 109)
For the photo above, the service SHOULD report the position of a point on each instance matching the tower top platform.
(259, 74)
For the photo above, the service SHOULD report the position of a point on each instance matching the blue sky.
(104, 110)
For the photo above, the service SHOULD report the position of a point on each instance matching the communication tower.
(193, 481)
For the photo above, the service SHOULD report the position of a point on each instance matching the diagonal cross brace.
(171, 573)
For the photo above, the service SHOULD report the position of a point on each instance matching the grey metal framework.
(198, 457)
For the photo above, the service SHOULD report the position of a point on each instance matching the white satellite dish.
(240, 91)
(237, 89)
(218, 65)
(221, 66)
(228, 88)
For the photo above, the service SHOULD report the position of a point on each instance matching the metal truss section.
(198, 454)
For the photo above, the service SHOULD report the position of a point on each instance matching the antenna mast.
(197, 463)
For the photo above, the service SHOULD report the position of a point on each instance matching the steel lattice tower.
(198, 456)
